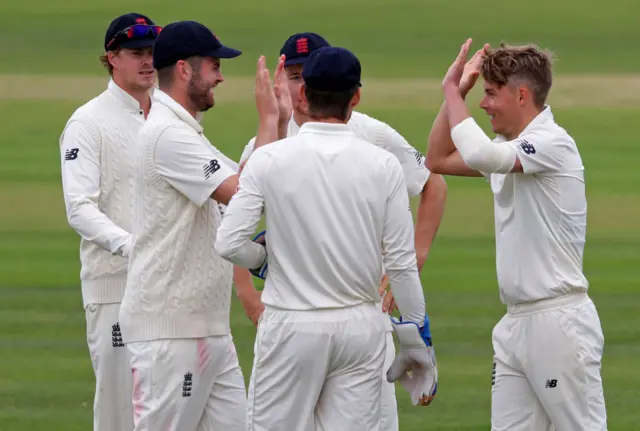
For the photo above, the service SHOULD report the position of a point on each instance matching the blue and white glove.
(261, 271)
(415, 365)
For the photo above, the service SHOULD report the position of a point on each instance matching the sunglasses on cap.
(136, 31)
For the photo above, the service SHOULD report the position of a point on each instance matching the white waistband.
(362, 310)
(547, 304)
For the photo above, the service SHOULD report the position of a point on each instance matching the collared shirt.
(177, 287)
(540, 215)
(337, 215)
(96, 156)
(381, 135)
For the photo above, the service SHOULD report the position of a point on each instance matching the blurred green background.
(49, 66)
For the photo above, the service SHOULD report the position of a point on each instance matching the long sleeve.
(398, 250)
(80, 165)
(241, 218)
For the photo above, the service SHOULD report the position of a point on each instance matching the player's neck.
(182, 99)
(142, 96)
(299, 118)
(525, 120)
(329, 120)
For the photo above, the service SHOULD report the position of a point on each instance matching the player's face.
(134, 68)
(294, 79)
(206, 76)
(501, 104)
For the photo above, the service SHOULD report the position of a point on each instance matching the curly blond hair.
(524, 64)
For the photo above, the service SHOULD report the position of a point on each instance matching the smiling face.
(205, 77)
(133, 68)
(502, 105)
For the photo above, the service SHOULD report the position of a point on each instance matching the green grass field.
(48, 66)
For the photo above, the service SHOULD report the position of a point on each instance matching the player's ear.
(355, 99)
(523, 95)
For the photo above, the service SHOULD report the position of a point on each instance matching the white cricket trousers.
(187, 385)
(318, 370)
(112, 410)
(547, 367)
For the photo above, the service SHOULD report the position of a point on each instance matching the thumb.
(398, 368)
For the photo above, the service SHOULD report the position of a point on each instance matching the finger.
(260, 65)
(397, 369)
(383, 285)
(464, 49)
(387, 302)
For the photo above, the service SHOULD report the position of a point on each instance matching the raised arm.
(80, 165)
(473, 145)
(442, 155)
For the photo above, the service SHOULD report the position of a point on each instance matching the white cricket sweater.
(96, 163)
(177, 286)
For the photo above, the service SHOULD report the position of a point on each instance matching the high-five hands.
(463, 74)
(266, 101)
(454, 74)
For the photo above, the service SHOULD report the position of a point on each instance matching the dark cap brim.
(294, 61)
(223, 52)
(136, 43)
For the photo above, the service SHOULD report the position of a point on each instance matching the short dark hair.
(527, 63)
(329, 104)
(165, 75)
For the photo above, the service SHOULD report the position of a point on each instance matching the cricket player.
(431, 187)
(337, 215)
(96, 149)
(175, 311)
(548, 347)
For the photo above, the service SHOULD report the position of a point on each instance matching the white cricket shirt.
(337, 213)
(540, 215)
(381, 135)
(97, 152)
(177, 286)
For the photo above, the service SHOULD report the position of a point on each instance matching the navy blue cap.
(183, 39)
(332, 69)
(123, 22)
(300, 45)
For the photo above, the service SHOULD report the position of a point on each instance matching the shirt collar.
(123, 96)
(162, 97)
(325, 128)
(543, 117)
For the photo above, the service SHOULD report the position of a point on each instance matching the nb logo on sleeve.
(71, 154)
(419, 157)
(211, 168)
(527, 147)
(552, 383)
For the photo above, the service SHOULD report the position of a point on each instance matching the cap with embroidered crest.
(183, 39)
(299, 46)
(332, 69)
(131, 30)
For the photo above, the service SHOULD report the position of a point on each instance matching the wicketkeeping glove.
(261, 271)
(415, 365)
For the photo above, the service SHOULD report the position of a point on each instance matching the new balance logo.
(71, 154)
(419, 157)
(527, 147)
(493, 375)
(116, 336)
(186, 385)
(210, 168)
(551, 383)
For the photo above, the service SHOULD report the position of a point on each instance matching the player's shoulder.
(92, 111)
(366, 127)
